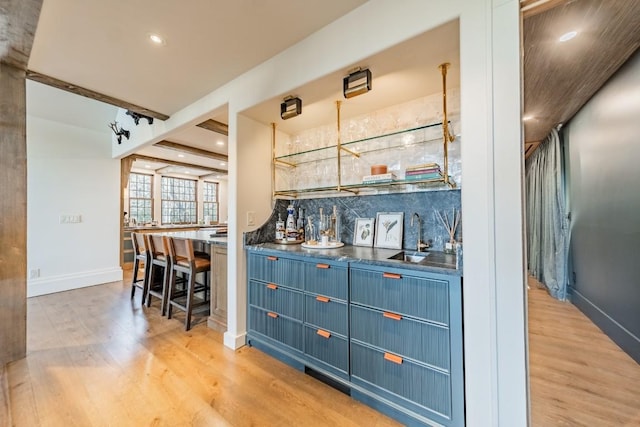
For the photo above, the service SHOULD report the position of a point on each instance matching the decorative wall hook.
(137, 116)
(119, 132)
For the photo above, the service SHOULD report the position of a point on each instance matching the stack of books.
(424, 171)
(379, 178)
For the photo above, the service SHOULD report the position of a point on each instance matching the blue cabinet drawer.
(418, 340)
(276, 298)
(275, 269)
(327, 347)
(394, 290)
(425, 390)
(326, 278)
(275, 326)
(326, 313)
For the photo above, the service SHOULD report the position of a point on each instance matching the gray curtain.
(547, 223)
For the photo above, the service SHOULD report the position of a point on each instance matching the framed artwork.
(389, 230)
(363, 232)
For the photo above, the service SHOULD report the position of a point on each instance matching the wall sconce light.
(137, 116)
(119, 132)
(291, 107)
(356, 83)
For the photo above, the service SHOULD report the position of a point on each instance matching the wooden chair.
(184, 260)
(158, 253)
(140, 255)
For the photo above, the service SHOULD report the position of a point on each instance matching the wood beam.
(17, 31)
(192, 150)
(176, 163)
(88, 93)
(18, 22)
(215, 126)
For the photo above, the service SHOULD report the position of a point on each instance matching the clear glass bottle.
(300, 224)
(334, 226)
(310, 231)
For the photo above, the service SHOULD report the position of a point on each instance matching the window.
(140, 197)
(210, 200)
(178, 198)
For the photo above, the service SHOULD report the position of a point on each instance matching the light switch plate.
(251, 218)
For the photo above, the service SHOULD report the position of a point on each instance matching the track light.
(291, 107)
(356, 83)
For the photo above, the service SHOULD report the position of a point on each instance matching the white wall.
(249, 190)
(71, 172)
(494, 300)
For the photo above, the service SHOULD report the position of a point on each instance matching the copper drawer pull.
(272, 286)
(272, 258)
(391, 276)
(325, 334)
(322, 299)
(392, 316)
(393, 358)
(272, 314)
(325, 266)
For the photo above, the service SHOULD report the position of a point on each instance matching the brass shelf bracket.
(446, 136)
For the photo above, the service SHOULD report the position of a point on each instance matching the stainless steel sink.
(411, 257)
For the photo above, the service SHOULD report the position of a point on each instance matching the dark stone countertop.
(436, 262)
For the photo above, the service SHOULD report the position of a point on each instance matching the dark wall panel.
(603, 142)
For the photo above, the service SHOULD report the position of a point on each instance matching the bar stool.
(140, 255)
(185, 261)
(158, 252)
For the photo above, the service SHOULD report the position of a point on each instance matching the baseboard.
(234, 342)
(626, 340)
(66, 282)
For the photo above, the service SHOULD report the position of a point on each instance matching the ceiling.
(104, 45)
(560, 77)
(115, 58)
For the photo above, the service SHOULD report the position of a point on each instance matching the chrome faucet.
(420, 246)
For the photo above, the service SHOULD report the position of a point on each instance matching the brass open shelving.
(393, 140)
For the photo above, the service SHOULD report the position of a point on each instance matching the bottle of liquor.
(334, 234)
(300, 224)
(280, 228)
(291, 228)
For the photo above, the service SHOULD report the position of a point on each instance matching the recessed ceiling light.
(156, 39)
(222, 163)
(180, 155)
(220, 142)
(527, 117)
(568, 36)
(187, 172)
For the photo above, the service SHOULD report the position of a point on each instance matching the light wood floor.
(97, 359)
(578, 376)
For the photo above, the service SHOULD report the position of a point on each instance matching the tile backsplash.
(425, 204)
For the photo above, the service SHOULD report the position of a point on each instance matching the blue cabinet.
(392, 336)
(406, 343)
(298, 311)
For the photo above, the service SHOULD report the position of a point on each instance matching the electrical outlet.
(34, 273)
(251, 218)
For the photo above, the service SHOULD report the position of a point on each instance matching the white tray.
(319, 246)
